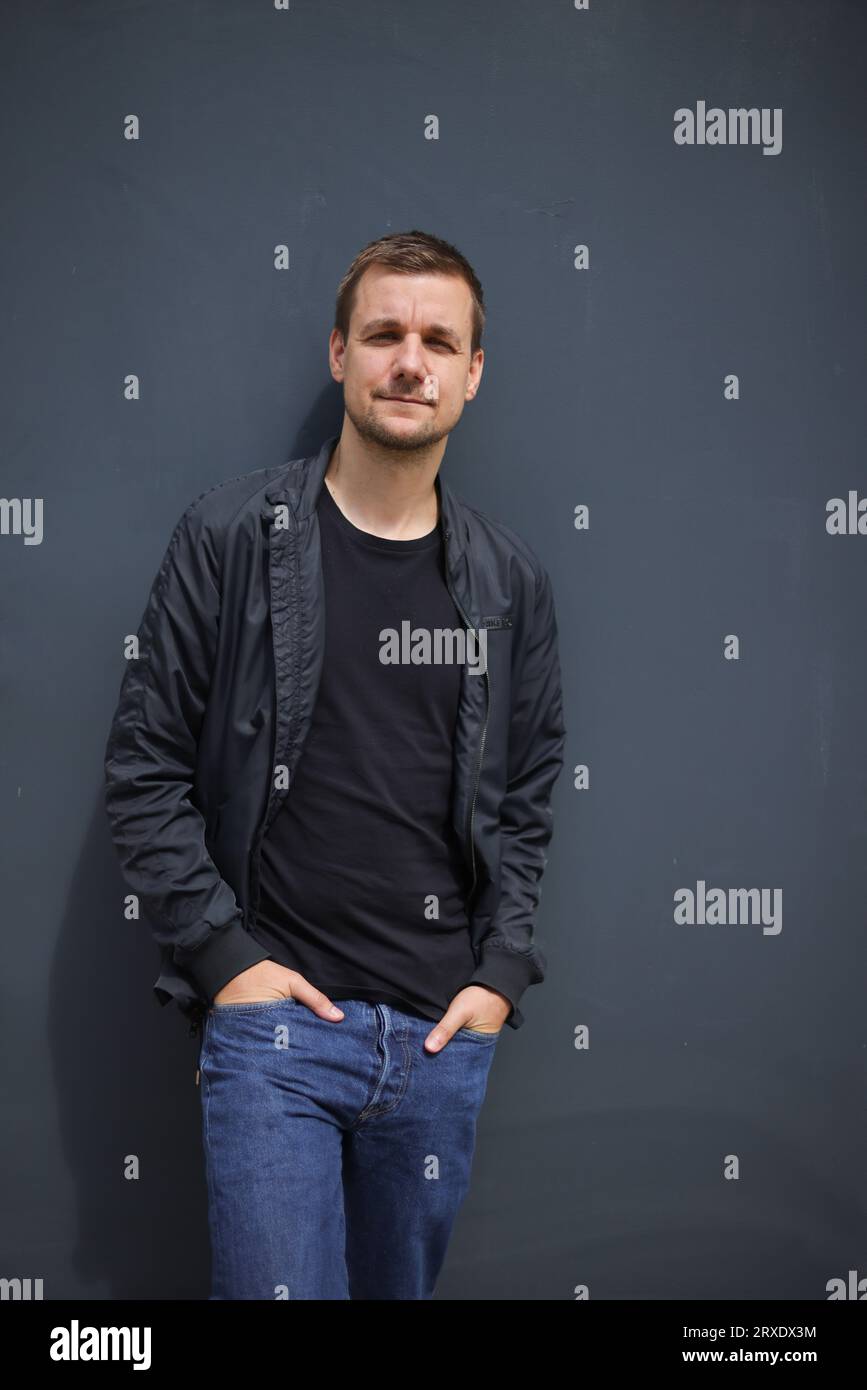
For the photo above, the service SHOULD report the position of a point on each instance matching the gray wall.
(603, 1165)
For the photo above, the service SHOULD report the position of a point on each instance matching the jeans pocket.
(245, 1005)
(477, 1035)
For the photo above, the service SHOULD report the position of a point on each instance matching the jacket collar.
(300, 484)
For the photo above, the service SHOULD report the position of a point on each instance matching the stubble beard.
(372, 428)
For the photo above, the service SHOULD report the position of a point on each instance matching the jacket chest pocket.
(497, 629)
(498, 638)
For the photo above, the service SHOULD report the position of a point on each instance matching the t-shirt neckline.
(367, 538)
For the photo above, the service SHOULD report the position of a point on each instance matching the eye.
(434, 342)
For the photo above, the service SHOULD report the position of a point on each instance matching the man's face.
(409, 336)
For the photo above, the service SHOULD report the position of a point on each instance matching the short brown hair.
(414, 253)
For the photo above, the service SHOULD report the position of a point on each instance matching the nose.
(410, 359)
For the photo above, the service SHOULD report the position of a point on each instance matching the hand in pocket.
(267, 980)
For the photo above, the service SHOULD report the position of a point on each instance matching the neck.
(388, 494)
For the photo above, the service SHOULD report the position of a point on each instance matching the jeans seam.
(212, 1191)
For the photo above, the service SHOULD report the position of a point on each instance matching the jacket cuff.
(509, 973)
(221, 956)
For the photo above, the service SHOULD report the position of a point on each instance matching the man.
(320, 794)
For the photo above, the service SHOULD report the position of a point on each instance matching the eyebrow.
(440, 329)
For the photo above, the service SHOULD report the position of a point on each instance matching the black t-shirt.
(363, 882)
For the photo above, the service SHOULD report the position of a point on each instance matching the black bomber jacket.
(215, 706)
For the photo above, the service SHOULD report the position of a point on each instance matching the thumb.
(444, 1030)
(316, 1001)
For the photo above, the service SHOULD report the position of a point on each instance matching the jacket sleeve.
(510, 960)
(150, 760)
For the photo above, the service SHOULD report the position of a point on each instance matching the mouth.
(405, 400)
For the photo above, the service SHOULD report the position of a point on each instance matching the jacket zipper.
(471, 840)
(478, 778)
(292, 723)
(252, 906)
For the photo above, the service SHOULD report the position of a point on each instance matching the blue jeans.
(337, 1154)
